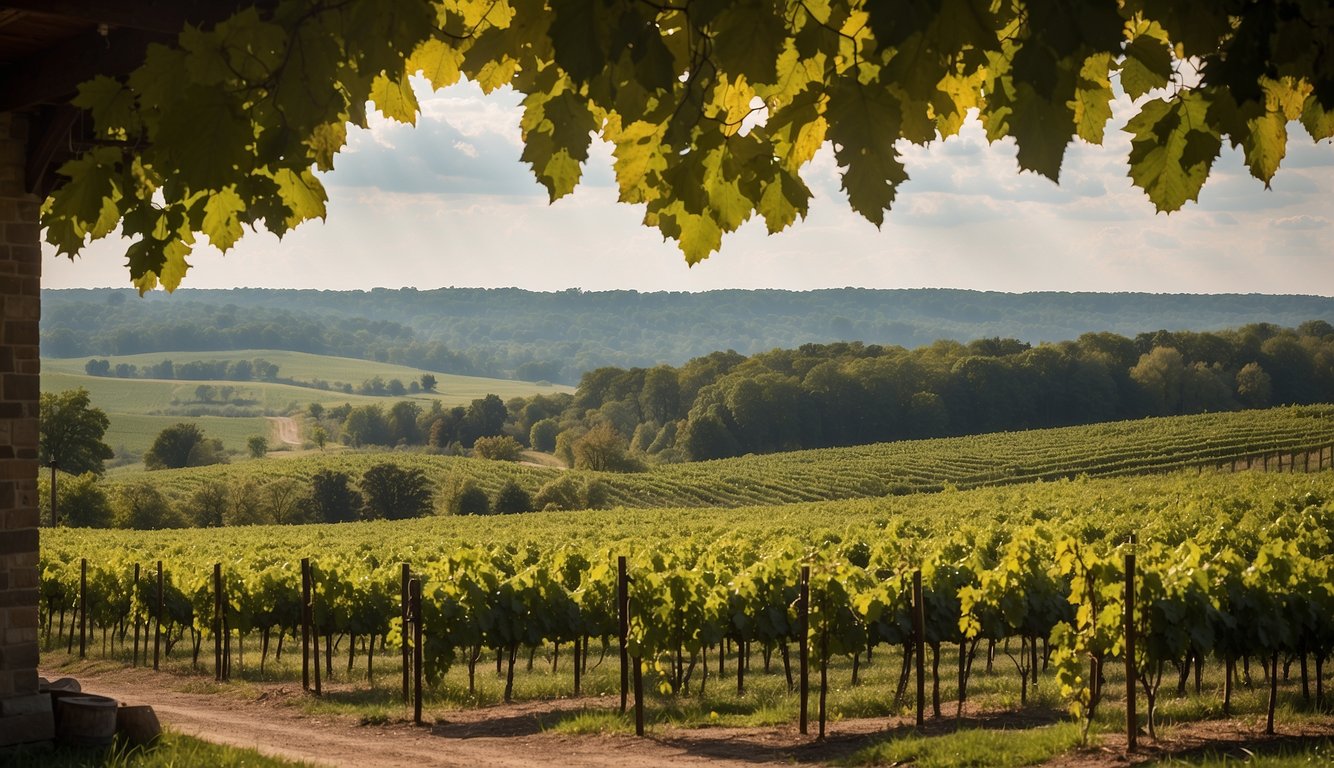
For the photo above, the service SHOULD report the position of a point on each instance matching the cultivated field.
(1021, 592)
(1208, 442)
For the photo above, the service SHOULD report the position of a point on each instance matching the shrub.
(511, 499)
(497, 448)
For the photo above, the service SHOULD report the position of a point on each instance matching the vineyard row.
(1222, 593)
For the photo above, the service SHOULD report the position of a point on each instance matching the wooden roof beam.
(53, 76)
(161, 16)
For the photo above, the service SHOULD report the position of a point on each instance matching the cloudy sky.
(448, 203)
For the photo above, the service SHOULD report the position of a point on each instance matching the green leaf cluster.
(713, 109)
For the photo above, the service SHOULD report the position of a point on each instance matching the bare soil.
(517, 736)
(286, 430)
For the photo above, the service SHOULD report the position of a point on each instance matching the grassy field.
(303, 367)
(140, 408)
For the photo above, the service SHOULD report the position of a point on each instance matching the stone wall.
(24, 715)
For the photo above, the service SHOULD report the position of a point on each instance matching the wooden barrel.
(138, 725)
(88, 721)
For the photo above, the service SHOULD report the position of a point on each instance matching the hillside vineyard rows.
(1300, 438)
(1231, 568)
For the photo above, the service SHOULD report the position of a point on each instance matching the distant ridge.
(514, 333)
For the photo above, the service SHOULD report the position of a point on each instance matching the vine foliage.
(713, 108)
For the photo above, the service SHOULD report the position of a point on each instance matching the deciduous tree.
(512, 499)
(183, 445)
(394, 493)
(332, 498)
(497, 448)
(71, 432)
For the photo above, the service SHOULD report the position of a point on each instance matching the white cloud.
(1300, 222)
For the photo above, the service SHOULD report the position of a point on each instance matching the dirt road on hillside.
(285, 430)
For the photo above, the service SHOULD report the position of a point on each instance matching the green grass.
(1290, 753)
(594, 722)
(172, 750)
(140, 408)
(972, 748)
(303, 367)
(136, 432)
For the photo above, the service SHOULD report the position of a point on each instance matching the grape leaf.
(173, 268)
(579, 31)
(785, 198)
(1042, 129)
(1265, 144)
(863, 124)
(697, 234)
(748, 39)
(303, 195)
(438, 63)
(638, 157)
(394, 98)
(1318, 121)
(1172, 149)
(204, 138)
(87, 204)
(1147, 65)
(557, 133)
(112, 105)
(1092, 104)
(221, 223)
(325, 142)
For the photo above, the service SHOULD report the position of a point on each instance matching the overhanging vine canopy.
(713, 107)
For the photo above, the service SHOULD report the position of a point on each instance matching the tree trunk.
(902, 688)
(1229, 671)
(740, 667)
(509, 674)
(1273, 695)
(935, 679)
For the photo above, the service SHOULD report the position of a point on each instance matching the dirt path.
(539, 459)
(263, 717)
(508, 736)
(285, 430)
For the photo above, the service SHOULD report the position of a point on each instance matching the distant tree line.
(822, 395)
(257, 369)
(533, 336)
(385, 491)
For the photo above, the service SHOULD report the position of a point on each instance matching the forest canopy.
(713, 108)
(848, 393)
